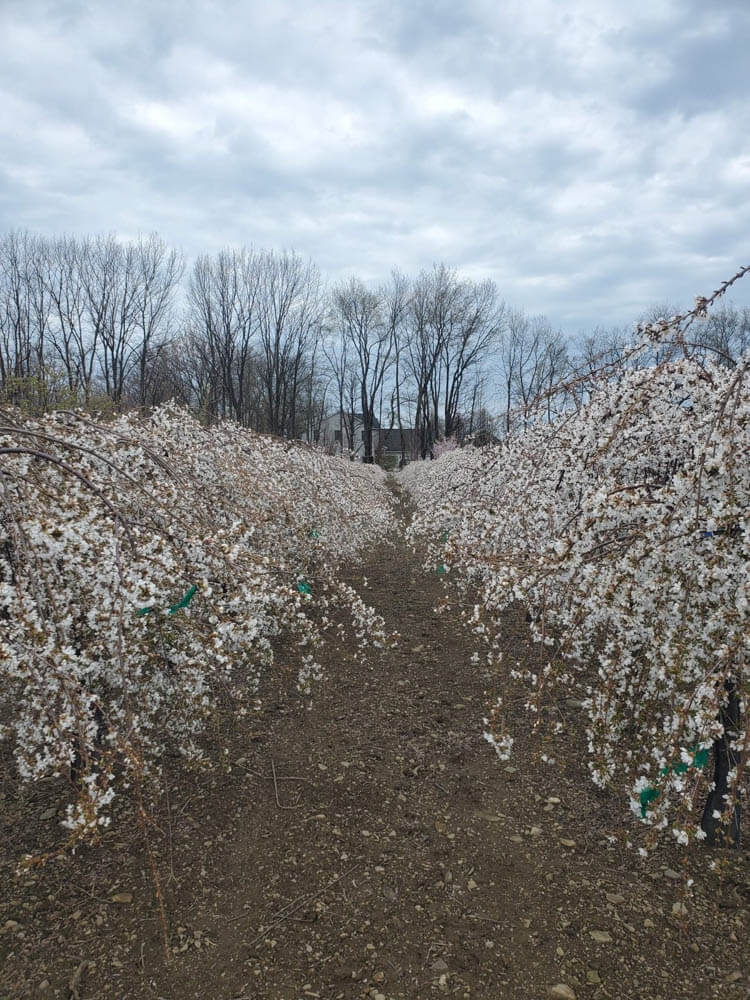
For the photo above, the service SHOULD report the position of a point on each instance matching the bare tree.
(396, 297)
(424, 346)
(223, 317)
(289, 325)
(336, 351)
(159, 271)
(315, 395)
(73, 343)
(453, 327)
(724, 334)
(532, 359)
(25, 308)
(364, 324)
(473, 333)
(110, 283)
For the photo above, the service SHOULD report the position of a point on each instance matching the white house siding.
(331, 438)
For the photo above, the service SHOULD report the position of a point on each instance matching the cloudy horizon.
(593, 161)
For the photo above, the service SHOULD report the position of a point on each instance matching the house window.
(337, 437)
(363, 436)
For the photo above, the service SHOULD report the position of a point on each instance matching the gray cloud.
(591, 158)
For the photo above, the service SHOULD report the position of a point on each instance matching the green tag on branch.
(182, 603)
(313, 533)
(304, 587)
(647, 797)
(699, 761)
(444, 537)
(441, 569)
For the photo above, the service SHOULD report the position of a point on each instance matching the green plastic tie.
(441, 569)
(701, 758)
(304, 587)
(182, 603)
(648, 795)
(313, 533)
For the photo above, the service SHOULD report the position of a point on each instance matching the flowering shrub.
(147, 564)
(623, 527)
(443, 446)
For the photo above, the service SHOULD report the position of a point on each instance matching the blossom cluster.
(623, 527)
(146, 565)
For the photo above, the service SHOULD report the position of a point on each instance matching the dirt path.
(392, 857)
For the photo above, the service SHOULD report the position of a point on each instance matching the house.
(391, 444)
(336, 438)
(340, 435)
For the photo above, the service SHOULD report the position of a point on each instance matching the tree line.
(256, 336)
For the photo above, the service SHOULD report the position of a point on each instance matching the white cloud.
(591, 157)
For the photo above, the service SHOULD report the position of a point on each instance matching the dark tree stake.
(719, 831)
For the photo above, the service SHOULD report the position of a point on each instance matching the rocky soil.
(369, 844)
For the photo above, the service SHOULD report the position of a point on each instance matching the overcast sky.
(591, 156)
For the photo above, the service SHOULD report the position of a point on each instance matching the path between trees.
(371, 845)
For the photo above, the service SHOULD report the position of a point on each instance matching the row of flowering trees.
(623, 527)
(146, 566)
